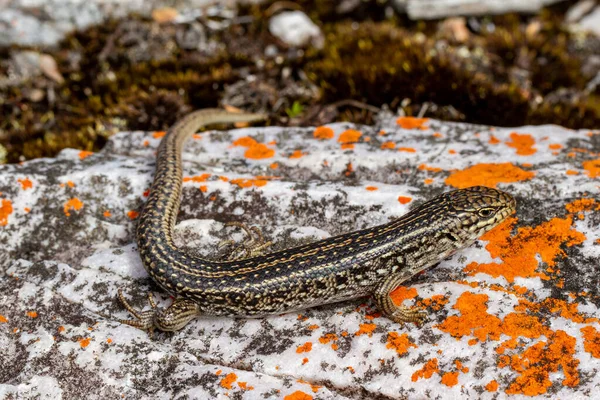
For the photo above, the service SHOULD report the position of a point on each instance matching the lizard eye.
(486, 212)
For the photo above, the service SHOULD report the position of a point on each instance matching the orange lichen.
(400, 343)
(388, 145)
(158, 134)
(488, 175)
(84, 342)
(451, 151)
(297, 154)
(412, 123)
(274, 165)
(591, 341)
(84, 154)
(555, 146)
(259, 152)
(519, 253)
(450, 378)
(435, 302)
(404, 199)
(492, 386)
(366, 329)
(107, 214)
(592, 168)
(298, 395)
(537, 362)
(523, 143)
(402, 293)
(203, 188)
(427, 371)
(304, 348)
(73, 204)
(425, 167)
(3, 319)
(323, 132)
(349, 136)
(552, 305)
(371, 188)
(26, 209)
(407, 149)
(581, 205)
(493, 140)
(347, 146)
(313, 387)
(437, 135)
(245, 141)
(198, 178)
(329, 337)
(246, 183)
(474, 319)
(228, 380)
(5, 210)
(219, 372)
(244, 386)
(572, 172)
(133, 214)
(313, 327)
(25, 183)
(428, 181)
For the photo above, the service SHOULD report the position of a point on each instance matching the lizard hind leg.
(389, 309)
(253, 246)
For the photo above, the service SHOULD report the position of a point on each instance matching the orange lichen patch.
(109, 340)
(372, 188)
(592, 168)
(555, 146)
(581, 205)
(25, 183)
(197, 178)
(304, 360)
(158, 134)
(427, 371)
(428, 181)
(437, 135)
(572, 172)
(323, 132)
(412, 123)
(84, 342)
(329, 337)
(347, 146)
(493, 140)
(435, 302)
(591, 341)
(425, 167)
(304, 348)
(451, 151)
(26, 209)
(297, 154)
(349, 136)
(404, 199)
(523, 143)
(488, 175)
(402, 293)
(228, 380)
(133, 214)
(3, 319)
(474, 319)
(219, 372)
(313, 327)
(460, 367)
(259, 152)
(492, 386)
(388, 145)
(523, 325)
(537, 362)
(73, 204)
(5, 210)
(70, 184)
(314, 388)
(244, 386)
(519, 253)
(365, 329)
(245, 141)
(407, 149)
(203, 188)
(450, 378)
(85, 154)
(274, 165)
(400, 343)
(146, 143)
(298, 395)
(246, 183)
(61, 329)
(107, 214)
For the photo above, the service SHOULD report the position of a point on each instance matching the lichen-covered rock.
(517, 313)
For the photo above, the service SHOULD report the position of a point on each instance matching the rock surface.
(517, 313)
